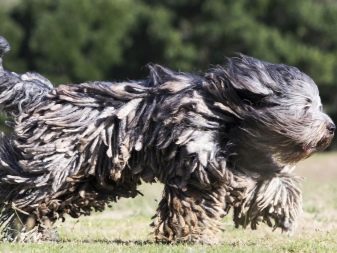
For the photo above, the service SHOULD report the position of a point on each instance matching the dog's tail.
(20, 92)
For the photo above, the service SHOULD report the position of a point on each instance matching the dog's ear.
(251, 80)
(4, 48)
(249, 76)
(159, 74)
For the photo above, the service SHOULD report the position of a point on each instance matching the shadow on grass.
(130, 242)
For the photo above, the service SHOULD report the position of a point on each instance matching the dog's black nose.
(331, 128)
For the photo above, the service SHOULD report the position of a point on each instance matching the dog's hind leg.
(27, 228)
(191, 214)
(20, 219)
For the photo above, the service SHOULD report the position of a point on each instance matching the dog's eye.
(306, 108)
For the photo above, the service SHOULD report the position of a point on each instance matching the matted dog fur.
(226, 139)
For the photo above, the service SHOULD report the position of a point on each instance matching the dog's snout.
(331, 128)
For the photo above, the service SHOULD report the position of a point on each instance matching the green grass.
(125, 226)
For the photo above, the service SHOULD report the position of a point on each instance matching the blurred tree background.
(79, 40)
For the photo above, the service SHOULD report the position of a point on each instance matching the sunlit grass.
(125, 226)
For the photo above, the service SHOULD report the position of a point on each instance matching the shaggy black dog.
(225, 139)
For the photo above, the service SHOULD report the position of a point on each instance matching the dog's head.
(279, 110)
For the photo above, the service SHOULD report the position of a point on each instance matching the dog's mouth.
(308, 150)
(320, 146)
(324, 142)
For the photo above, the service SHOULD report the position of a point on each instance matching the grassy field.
(124, 228)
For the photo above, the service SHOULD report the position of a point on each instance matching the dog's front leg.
(189, 214)
(275, 200)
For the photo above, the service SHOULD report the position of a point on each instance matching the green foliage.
(75, 40)
(85, 40)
